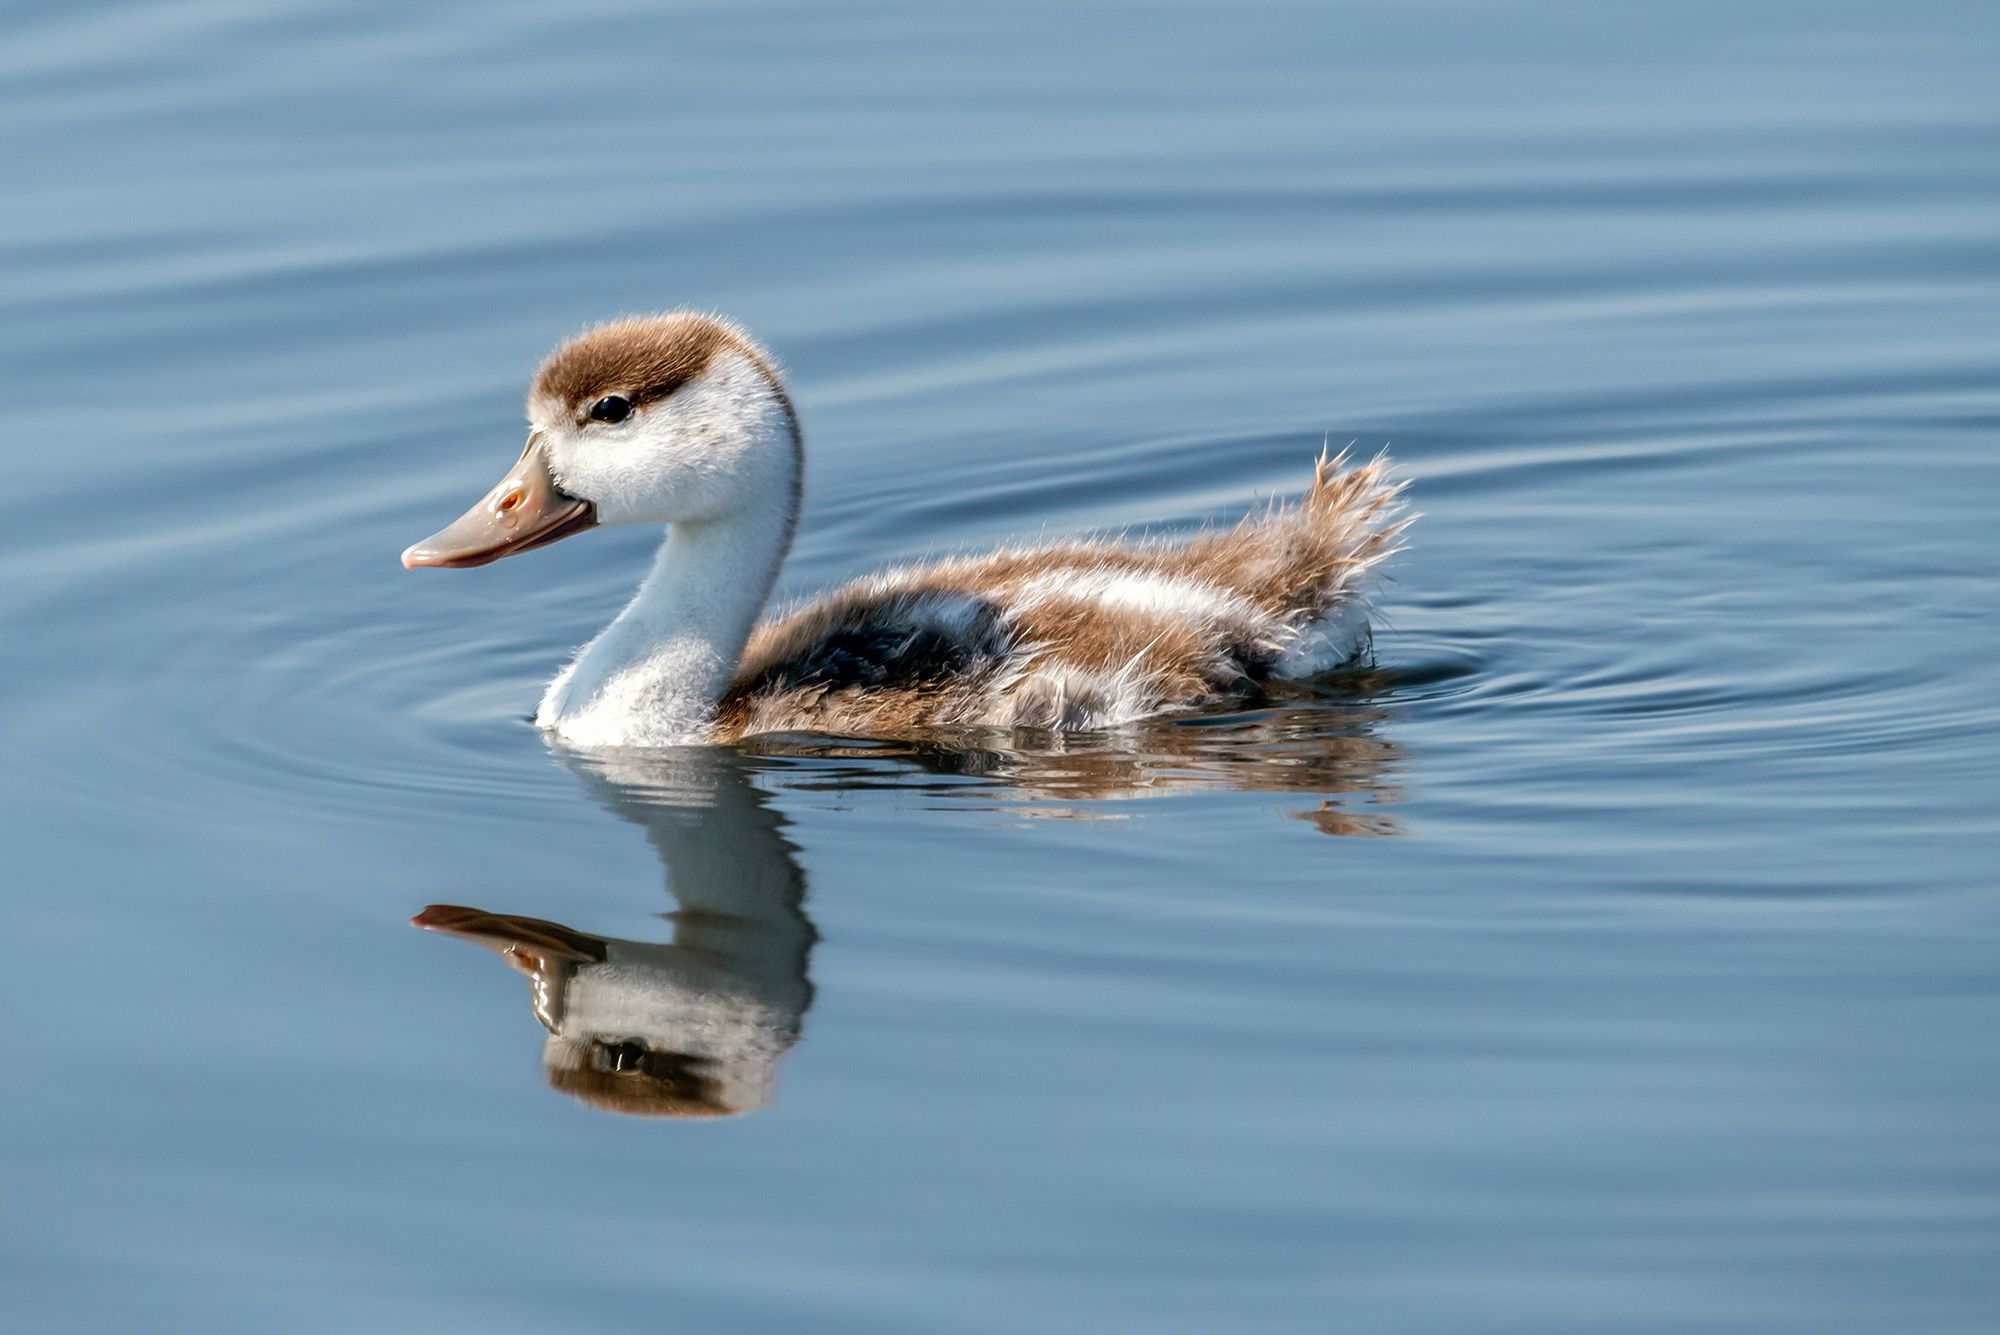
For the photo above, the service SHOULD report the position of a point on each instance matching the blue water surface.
(1623, 953)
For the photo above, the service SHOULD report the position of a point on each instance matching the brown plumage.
(1077, 635)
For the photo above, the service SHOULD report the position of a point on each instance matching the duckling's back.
(1080, 635)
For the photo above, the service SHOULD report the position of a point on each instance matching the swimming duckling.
(682, 420)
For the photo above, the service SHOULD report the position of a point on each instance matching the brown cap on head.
(644, 358)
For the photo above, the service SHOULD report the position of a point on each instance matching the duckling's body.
(682, 419)
(1078, 635)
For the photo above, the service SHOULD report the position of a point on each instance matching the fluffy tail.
(1359, 510)
(1297, 561)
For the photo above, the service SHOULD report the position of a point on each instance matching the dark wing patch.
(903, 641)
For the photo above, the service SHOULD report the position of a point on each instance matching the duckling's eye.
(611, 408)
(626, 1056)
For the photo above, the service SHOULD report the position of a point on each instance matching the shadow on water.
(695, 1026)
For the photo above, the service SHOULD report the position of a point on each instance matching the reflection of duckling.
(1296, 746)
(677, 1030)
(681, 420)
(693, 1027)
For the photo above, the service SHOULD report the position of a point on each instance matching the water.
(1619, 955)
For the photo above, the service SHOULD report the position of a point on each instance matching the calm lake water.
(1623, 953)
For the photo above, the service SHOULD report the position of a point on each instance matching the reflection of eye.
(627, 1056)
(611, 408)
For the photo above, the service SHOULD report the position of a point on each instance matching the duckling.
(683, 420)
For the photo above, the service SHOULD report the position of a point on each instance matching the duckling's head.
(658, 419)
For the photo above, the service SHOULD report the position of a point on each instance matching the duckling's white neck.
(654, 675)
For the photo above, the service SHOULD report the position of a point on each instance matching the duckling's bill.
(528, 509)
